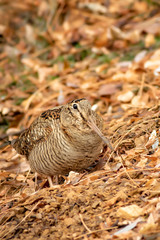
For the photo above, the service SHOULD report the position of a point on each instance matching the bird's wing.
(39, 131)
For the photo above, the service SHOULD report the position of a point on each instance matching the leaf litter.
(52, 52)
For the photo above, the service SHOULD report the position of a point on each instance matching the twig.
(80, 215)
(125, 169)
(21, 220)
(95, 231)
(141, 87)
(3, 145)
(3, 136)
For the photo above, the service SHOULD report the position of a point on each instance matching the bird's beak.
(93, 126)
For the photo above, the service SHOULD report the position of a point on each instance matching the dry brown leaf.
(108, 89)
(119, 196)
(126, 97)
(131, 211)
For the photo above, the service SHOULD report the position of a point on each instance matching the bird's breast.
(63, 152)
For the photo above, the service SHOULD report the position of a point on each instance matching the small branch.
(22, 220)
(80, 215)
(126, 170)
(3, 136)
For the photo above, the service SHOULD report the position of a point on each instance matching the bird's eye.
(75, 106)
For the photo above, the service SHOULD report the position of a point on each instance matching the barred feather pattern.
(60, 140)
(58, 156)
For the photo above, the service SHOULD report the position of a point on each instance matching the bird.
(63, 139)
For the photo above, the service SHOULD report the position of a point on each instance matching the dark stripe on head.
(78, 100)
(82, 116)
(70, 111)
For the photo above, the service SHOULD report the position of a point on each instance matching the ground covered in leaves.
(52, 52)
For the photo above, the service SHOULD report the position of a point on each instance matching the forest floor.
(52, 52)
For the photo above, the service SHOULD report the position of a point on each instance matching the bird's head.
(79, 115)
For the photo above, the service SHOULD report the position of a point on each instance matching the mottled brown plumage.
(62, 139)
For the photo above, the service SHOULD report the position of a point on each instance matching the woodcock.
(63, 139)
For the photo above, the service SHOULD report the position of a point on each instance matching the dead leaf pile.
(52, 52)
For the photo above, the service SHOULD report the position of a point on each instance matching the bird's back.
(38, 132)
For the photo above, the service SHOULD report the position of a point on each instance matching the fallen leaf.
(126, 97)
(108, 89)
(130, 211)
